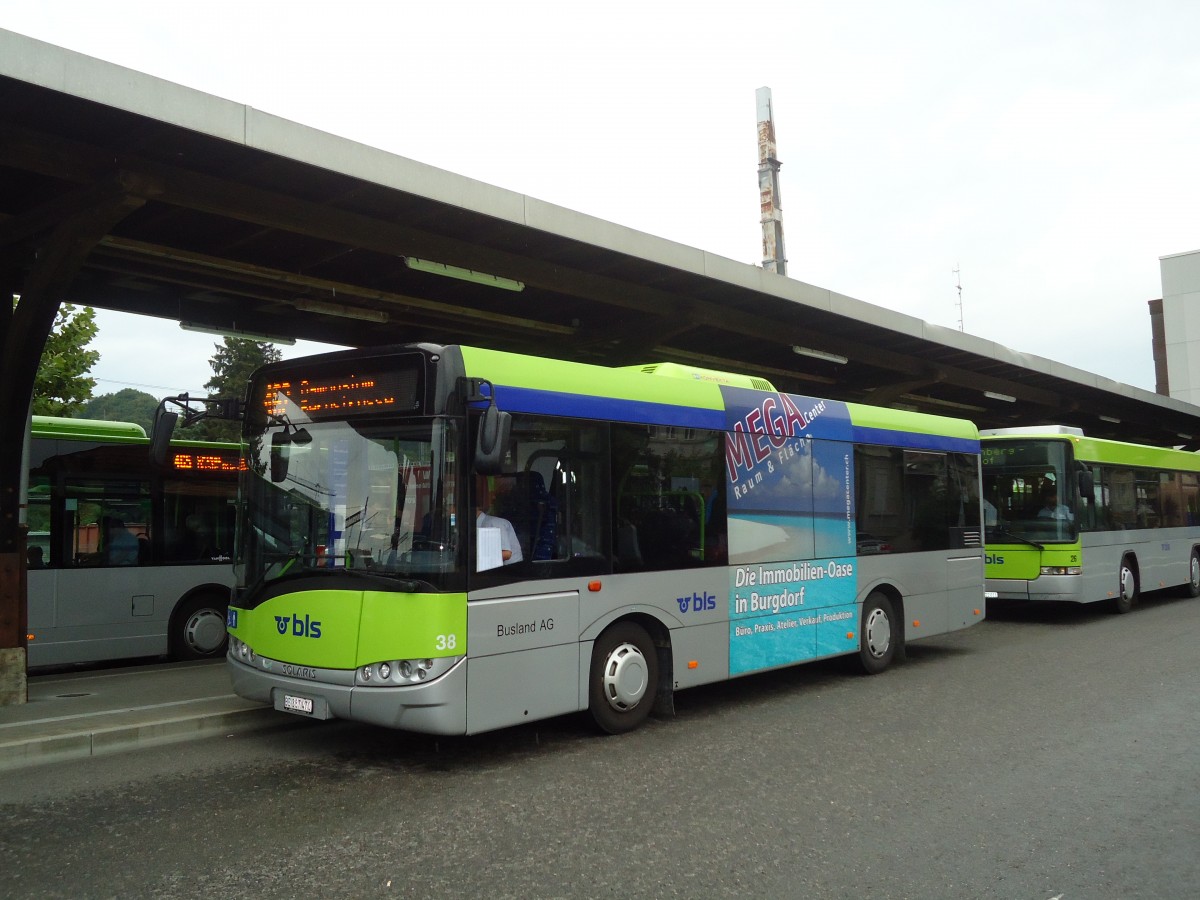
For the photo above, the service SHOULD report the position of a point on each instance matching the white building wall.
(1181, 323)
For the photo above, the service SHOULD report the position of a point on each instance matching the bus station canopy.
(231, 218)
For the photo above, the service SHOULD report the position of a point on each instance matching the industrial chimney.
(774, 257)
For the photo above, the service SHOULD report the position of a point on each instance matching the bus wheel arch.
(197, 626)
(624, 675)
(881, 630)
(1128, 585)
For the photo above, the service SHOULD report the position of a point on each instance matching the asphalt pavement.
(71, 715)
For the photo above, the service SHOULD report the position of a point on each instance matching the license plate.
(302, 705)
(299, 705)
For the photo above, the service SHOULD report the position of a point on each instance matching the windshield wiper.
(1016, 537)
(394, 581)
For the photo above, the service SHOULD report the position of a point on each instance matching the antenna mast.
(958, 285)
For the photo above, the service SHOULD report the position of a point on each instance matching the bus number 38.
(447, 641)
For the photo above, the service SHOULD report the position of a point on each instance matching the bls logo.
(696, 602)
(994, 559)
(305, 627)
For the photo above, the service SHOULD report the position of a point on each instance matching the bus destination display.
(206, 460)
(321, 397)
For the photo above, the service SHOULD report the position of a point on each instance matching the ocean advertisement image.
(790, 496)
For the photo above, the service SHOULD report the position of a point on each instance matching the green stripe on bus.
(917, 423)
(590, 381)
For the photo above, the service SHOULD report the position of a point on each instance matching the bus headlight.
(1062, 570)
(400, 672)
(240, 650)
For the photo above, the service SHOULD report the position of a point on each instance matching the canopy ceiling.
(248, 222)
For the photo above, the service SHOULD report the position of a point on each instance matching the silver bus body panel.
(88, 614)
(942, 590)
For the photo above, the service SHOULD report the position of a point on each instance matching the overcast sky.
(1046, 150)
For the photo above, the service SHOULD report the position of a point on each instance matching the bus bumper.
(1044, 588)
(438, 707)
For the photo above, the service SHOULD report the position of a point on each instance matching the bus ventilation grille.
(972, 539)
(761, 384)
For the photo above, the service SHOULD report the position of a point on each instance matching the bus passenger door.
(522, 659)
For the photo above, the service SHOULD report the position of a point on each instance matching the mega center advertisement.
(790, 496)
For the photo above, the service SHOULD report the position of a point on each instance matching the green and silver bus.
(449, 540)
(1085, 520)
(126, 560)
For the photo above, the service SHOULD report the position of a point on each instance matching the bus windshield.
(1028, 495)
(360, 497)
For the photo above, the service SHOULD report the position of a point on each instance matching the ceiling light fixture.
(341, 310)
(238, 333)
(992, 395)
(437, 268)
(1115, 421)
(821, 354)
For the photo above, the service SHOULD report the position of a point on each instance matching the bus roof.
(671, 394)
(1100, 450)
(63, 427)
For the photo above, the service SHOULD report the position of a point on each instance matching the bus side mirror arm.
(165, 420)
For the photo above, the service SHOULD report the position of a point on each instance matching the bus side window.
(38, 539)
(554, 491)
(108, 522)
(668, 497)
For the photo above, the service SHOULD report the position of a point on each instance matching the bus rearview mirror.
(160, 437)
(491, 442)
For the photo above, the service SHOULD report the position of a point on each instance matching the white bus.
(126, 560)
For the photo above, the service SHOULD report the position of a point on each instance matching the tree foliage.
(62, 385)
(126, 405)
(232, 365)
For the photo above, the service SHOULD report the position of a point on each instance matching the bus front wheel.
(1127, 588)
(879, 633)
(623, 678)
(198, 628)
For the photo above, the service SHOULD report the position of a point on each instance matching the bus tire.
(879, 633)
(1193, 584)
(1127, 587)
(198, 627)
(623, 678)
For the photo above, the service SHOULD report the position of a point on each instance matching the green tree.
(232, 366)
(62, 385)
(126, 405)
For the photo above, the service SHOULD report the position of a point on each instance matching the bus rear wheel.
(1127, 588)
(623, 678)
(878, 634)
(1193, 584)
(198, 628)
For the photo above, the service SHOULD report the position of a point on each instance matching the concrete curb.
(76, 737)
